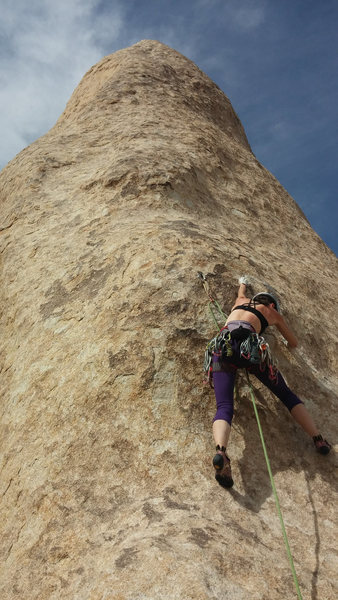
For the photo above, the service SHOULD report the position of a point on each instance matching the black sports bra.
(254, 311)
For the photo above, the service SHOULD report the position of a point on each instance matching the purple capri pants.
(224, 372)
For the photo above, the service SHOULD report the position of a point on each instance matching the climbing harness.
(286, 541)
(257, 351)
(254, 349)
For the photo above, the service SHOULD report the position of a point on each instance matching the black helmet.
(266, 298)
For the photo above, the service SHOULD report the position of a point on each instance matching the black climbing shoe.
(222, 467)
(322, 446)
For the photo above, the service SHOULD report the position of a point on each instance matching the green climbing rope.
(213, 302)
(274, 491)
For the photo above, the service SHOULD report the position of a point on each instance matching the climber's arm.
(243, 282)
(285, 331)
(241, 294)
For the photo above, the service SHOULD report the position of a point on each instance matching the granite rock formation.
(107, 489)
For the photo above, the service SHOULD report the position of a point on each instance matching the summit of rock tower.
(152, 75)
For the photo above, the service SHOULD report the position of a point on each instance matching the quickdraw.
(213, 304)
(221, 342)
(219, 345)
(256, 350)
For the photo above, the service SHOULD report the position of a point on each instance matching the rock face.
(107, 488)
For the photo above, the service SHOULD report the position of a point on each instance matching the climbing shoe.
(322, 446)
(222, 468)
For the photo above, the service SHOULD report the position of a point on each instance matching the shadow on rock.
(289, 449)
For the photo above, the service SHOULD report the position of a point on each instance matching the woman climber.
(251, 316)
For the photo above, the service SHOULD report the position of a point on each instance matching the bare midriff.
(238, 314)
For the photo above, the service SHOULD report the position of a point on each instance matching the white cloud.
(242, 14)
(46, 47)
(281, 131)
(246, 16)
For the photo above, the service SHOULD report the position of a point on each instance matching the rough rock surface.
(107, 490)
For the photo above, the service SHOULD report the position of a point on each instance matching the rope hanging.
(213, 302)
(274, 490)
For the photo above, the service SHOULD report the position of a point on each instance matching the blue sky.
(276, 60)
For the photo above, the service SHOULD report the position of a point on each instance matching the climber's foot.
(322, 446)
(222, 468)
